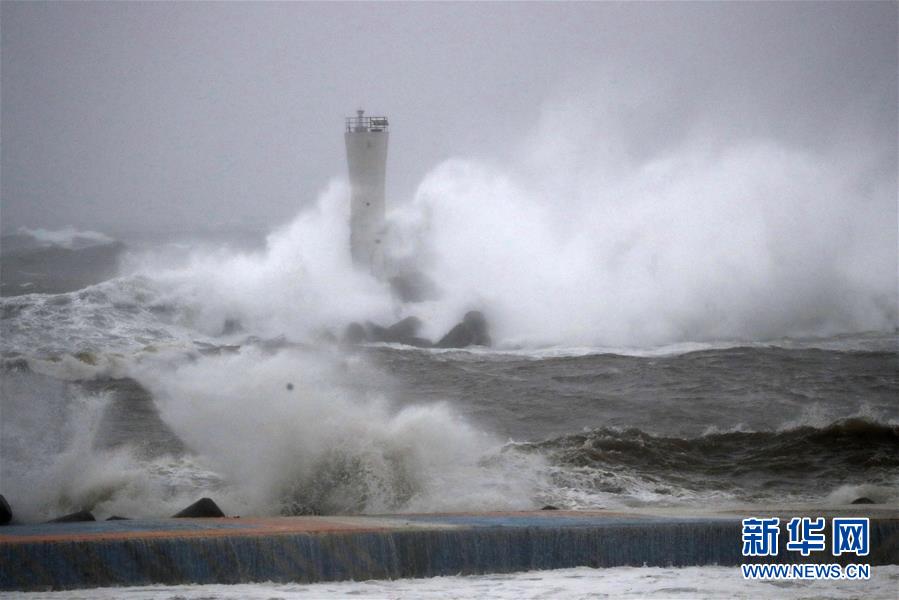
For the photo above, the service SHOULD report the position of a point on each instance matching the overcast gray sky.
(180, 116)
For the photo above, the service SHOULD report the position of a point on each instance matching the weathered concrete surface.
(308, 549)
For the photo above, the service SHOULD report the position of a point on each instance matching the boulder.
(405, 332)
(472, 331)
(863, 500)
(375, 332)
(75, 517)
(404, 329)
(5, 511)
(402, 332)
(354, 334)
(204, 508)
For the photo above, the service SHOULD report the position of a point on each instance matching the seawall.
(309, 549)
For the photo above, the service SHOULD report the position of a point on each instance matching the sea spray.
(629, 467)
(330, 442)
(578, 239)
(705, 244)
(54, 461)
(748, 241)
(300, 285)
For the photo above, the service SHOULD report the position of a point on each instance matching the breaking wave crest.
(616, 467)
(299, 432)
(265, 433)
(699, 244)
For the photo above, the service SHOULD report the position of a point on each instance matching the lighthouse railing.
(366, 124)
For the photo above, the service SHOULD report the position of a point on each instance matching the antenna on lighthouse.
(366, 151)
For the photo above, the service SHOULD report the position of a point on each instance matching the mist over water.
(331, 442)
(581, 239)
(577, 239)
(577, 242)
(301, 284)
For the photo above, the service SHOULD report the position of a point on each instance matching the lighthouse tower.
(366, 153)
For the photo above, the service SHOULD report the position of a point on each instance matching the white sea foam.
(741, 242)
(301, 284)
(695, 246)
(52, 462)
(820, 415)
(572, 247)
(68, 237)
(52, 465)
(119, 316)
(331, 443)
(621, 582)
(879, 494)
(576, 244)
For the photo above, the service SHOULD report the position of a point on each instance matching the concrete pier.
(310, 549)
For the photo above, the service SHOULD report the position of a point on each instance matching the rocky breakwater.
(473, 330)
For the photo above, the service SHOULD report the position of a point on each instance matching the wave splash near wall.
(571, 243)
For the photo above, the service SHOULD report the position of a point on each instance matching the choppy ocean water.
(139, 394)
(621, 582)
(110, 402)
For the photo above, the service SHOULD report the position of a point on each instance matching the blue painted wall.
(476, 545)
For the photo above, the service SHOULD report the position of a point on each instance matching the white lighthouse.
(366, 153)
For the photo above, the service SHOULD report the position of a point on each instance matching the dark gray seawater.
(684, 394)
(112, 402)
(761, 423)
